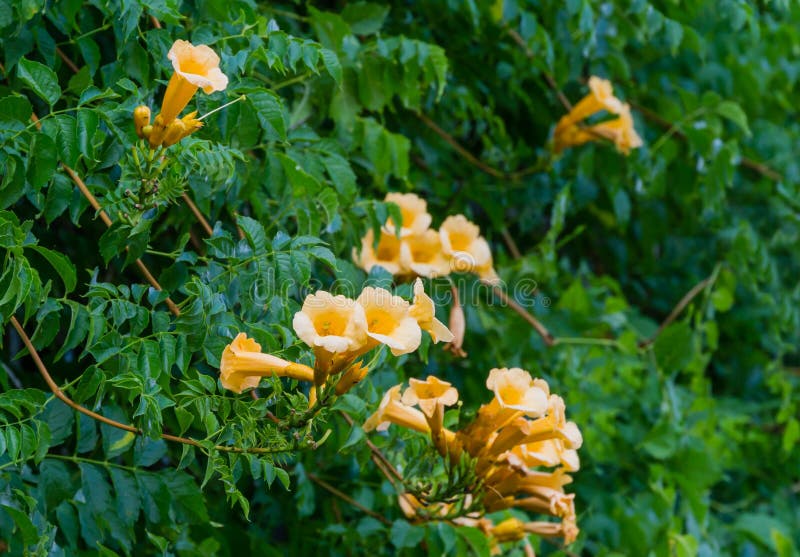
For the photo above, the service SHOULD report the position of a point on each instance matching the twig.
(107, 221)
(547, 337)
(56, 390)
(510, 243)
(197, 214)
(322, 483)
(681, 305)
(459, 149)
(551, 82)
(377, 455)
(66, 60)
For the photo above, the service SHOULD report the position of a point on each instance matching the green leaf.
(404, 534)
(733, 112)
(270, 111)
(62, 265)
(41, 79)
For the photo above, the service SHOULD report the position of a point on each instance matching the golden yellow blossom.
(422, 254)
(600, 97)
(333, 323)
(515, 389)
(195, 67)
(510, 530)
(619, 130)
(430, 394)
(243, 364)
(389, 321)
(424, 311)
(141, 118)
(386, 254)
(392, 411)
(414, 211)
(468, 251)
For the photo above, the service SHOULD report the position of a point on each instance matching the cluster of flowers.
(419, 250)
(571, 130)
(522, 430)
(339, 330)
(195, 67)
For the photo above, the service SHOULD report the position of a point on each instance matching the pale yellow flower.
(422, 254)
(386, 254)
(414, 211)
(429, 394)
(424, 311)
(549, 453)
(468, 251)
(333, 323)
(389, 321)
(392, 411)
(195, 67)
(243, 365)
(515, 389)
(619, 130)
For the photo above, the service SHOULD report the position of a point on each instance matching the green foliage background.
(691, 442)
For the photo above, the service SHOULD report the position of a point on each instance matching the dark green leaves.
(41, 79)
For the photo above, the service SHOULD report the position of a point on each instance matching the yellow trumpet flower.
(414, 211)
(195, 67)
(392, 411)
(424, 311)
(386, 254)
(243, 365)
(388, 321)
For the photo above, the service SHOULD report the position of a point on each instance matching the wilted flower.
(243, 365)
(414, 211)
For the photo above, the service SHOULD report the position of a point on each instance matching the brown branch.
(197, 214)
(510, 243)
(156, 23)
(107, 221)
(469, 157)
(66, 60)
(547, 337)
(322, 483)
(377, 456)
(678, 309)
(551, 82)
(56, 390)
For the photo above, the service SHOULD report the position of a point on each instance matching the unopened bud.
(175, 132)
(141, 119)
(156, 135)
(457, 326)
(351, 378)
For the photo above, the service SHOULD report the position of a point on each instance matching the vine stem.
(322, 483)
(56, 390)
(107, 221)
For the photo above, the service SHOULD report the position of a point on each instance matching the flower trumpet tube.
(392, 411)
(549, 501)
(195, 67)
(424, 311)
(351, 378)
(141, 118)
(243, 364)
(566, 529)
(432, 395)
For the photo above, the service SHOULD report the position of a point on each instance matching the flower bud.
(175, 132)
(141, 118)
